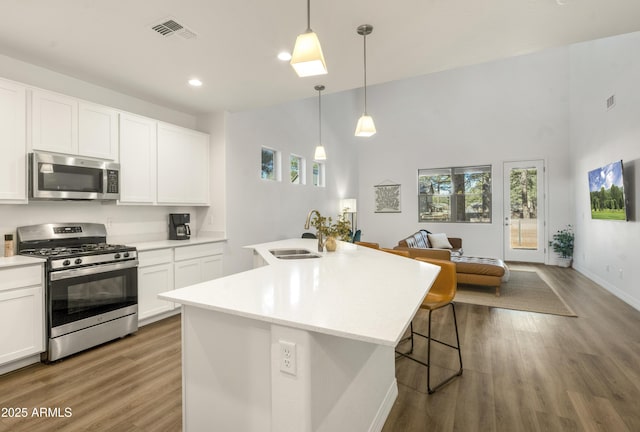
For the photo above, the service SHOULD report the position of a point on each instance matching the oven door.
(78, 298)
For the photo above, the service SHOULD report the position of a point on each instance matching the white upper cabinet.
(63, 124)
(183, 166)
(97, 131)
(54, 122)
(13, 143)
(137, 159)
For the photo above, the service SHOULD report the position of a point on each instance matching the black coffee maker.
(179, 226)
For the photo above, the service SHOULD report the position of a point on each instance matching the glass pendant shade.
(365, 127)
(307, 58)
(320, 154)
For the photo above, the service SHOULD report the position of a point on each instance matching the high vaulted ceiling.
(111, 43)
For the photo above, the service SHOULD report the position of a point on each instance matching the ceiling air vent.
(611, 101)
(170, 27)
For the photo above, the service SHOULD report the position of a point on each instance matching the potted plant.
(330, 232)
(562, 244)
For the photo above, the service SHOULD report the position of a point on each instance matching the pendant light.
(307, 58)
(320, 154)
(365, 127)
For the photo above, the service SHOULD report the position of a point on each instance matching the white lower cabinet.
(163, 270)
(155, 276)
(197, 270)
(211, 267)
(198, 263)
(188, 272)
(21, 312)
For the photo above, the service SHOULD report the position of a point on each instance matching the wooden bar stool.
(441, 295)
(397, 252)
(368, 244)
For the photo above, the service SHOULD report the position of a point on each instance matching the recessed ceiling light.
(195, 82)
(284, 56)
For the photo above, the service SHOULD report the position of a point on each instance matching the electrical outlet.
(620, 273)
(288, 362)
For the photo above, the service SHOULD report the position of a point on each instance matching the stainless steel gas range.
(91, 286)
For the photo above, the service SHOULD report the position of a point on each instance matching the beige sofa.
(469, 270)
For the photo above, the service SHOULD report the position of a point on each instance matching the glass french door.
(524, 235)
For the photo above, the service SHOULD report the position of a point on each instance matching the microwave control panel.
(112, 181)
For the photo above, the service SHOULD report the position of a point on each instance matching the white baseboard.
(19, 364)
(385, 408)
(161, 316)
(609, 287)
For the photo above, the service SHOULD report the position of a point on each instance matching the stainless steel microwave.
(62, 177)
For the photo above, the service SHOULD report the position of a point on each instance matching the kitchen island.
(298, 344)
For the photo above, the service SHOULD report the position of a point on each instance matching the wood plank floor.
(522, 372)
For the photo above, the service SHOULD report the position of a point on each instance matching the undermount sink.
(293, 254)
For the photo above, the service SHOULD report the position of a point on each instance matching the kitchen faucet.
(306, 226)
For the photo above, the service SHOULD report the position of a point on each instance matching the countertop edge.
(283, 322)
(163, 244)
(20, 260)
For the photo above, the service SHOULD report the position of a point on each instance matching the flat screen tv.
(606, 192)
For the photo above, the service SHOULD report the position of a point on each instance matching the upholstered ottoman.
(481, 271)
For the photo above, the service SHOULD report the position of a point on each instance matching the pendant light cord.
(319, 118)
(365, 73)
(309, 16)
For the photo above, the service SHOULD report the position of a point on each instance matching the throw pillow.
(439, 241)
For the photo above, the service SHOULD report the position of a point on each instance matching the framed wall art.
(387, 198)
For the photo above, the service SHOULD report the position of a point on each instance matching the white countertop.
(19, 260)
(163, 244)
(355, 292)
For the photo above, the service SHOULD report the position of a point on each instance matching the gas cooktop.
(84, 249)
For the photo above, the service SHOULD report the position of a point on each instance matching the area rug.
(524, 291)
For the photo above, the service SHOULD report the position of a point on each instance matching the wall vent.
(169, 26)
(611, 101)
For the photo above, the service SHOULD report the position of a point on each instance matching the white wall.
(607, 251)
(260, 210)
(508, 110)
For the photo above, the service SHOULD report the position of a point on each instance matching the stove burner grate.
(82, 249)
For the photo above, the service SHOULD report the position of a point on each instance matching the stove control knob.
(78, 261)
(126, 255)
(66, 262)
(117, 256)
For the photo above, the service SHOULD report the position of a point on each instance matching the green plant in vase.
(330, 231)
(562, 244)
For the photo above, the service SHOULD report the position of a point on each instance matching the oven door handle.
(84, 271)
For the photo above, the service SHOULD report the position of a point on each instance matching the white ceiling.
(110, 42)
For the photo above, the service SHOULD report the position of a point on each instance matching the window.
(318, 174)
(297, 169)
(270, 164)
(459, 194)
